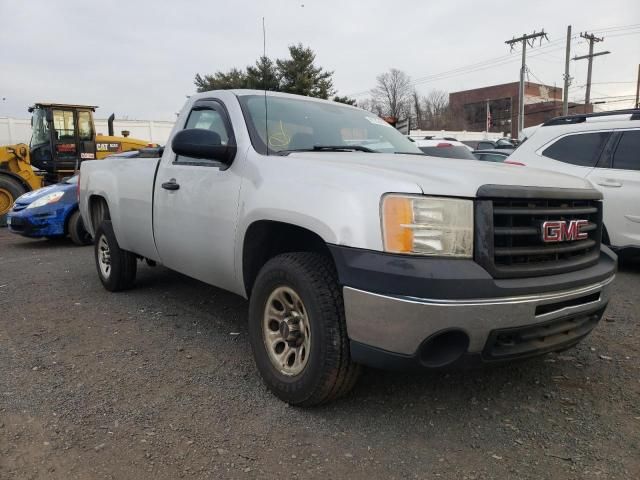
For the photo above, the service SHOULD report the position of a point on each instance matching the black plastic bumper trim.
(452, 279)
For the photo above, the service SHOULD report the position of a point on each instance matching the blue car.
(50, 212)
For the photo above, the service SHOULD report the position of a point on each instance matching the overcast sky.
(138, 58)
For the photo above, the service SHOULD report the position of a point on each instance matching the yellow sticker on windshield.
(280, 138)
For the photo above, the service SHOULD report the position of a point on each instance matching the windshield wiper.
(330, 148)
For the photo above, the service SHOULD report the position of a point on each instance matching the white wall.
(459, 135)
(13, 130)
(156, 131)
(18, 130)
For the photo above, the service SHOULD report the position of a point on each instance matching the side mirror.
(49, 115)
(204, 144)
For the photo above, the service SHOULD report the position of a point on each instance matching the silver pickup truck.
(353, 247)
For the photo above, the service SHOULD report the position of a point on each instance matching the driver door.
(196, 203)
(65, 151)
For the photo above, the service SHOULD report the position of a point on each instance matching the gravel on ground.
(158, 382)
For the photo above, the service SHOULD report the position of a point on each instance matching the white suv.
(604, 148)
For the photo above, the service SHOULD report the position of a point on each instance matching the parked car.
(493, 155)
(444, 148)
(352, 253)
(50, 212)
(505, 142)
(480, 144)
(603, 148)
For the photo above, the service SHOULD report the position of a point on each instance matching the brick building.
(541, 102)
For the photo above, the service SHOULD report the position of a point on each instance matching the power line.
(624, 34)
(529, 71)
(604, 83)
(541, 52)
(616, 28)
(475, 67)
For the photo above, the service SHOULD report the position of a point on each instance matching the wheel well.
(98, 211)
(265, 239)
(66, 220)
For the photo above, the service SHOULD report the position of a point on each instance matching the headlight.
(46, 200)
(422, 225)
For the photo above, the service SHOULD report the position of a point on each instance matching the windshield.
(299, 124)
(40, 128)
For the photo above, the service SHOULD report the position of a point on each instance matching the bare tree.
(436, 109)
(370, 105)
(393, 93)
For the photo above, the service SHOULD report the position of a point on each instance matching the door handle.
(171, 185)
(609, 183)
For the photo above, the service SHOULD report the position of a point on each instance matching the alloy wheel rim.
(6, 200)
(286, 331)
(104, 257)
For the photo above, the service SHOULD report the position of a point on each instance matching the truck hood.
(438, 176)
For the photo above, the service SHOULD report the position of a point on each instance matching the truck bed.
(126, 181)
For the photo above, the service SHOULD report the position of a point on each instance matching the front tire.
(116, 267)
(77, 232)
(298, 332)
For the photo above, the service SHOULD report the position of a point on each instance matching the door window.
(207, 119)
(85, 129)
(580, 149)
(627, 156)
(65, 125)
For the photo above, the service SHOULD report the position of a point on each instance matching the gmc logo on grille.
(563, 231)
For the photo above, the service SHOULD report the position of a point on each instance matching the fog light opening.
(443, 348)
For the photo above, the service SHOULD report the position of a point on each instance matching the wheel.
(116, 267)
(77, 232)
(298, 332)
(10, 189)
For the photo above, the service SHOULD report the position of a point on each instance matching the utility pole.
(567, 78)
(592, 39)
(525, 40)
(637, 89)
(488, 118)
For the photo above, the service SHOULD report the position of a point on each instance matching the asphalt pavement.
(158, 382)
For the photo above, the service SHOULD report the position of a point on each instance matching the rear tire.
(116, 267)
(314, 366)
(77, 232)
(10, 190)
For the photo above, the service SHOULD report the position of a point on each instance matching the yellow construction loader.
(62, 136)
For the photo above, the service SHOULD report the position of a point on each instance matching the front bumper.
(546, 314)
(34, 223)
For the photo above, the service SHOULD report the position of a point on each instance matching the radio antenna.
(264, 83)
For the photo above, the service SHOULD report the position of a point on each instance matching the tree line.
(393, 97)
(297, 74)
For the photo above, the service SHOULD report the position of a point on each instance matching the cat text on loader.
(62, 137)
